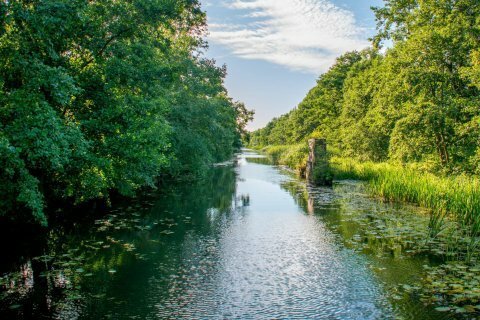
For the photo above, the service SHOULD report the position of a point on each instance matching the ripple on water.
(243, 246)
(272, 261)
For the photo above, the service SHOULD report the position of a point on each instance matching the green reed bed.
(455, 196)
(453, 230)
(293, 156)
(458, 196)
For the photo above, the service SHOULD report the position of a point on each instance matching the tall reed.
(457, 196)
(293, 156)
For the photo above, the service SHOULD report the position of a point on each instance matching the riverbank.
(453, 206)
(457, 196)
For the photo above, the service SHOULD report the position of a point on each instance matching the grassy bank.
(457, 196)
(293, 156)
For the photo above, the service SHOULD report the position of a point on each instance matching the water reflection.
(386, 233)
(250, 241)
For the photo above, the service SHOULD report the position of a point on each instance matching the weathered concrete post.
(318, 169)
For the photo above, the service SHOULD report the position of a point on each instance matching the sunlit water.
(251, 241)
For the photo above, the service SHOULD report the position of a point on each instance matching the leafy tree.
(418, 101)
(101, 96)
(244, 116)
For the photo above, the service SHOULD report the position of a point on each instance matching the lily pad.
(443, 309)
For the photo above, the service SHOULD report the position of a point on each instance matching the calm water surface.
(249, 242)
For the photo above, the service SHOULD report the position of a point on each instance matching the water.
(251, 241)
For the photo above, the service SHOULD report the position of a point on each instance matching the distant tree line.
(417, 102)
(106, 95)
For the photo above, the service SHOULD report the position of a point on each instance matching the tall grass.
(345, 168)
(456, 196)
(293, 156)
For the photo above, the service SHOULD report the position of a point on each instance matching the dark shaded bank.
(43, 272)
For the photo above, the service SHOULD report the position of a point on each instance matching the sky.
(275, 50)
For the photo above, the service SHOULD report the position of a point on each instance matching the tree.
(95, 94)
(416, 102)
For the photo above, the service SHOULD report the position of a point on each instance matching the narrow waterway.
(251, 241)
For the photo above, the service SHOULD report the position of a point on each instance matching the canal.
(250, 241)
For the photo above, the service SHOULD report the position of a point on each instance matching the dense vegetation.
(418, 102)
(105, 96)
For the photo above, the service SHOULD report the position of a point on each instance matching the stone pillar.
(318, 169)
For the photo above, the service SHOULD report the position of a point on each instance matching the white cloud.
(305, 35)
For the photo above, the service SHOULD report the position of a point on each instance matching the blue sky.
(276, 49)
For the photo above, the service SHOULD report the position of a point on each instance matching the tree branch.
(104, 47)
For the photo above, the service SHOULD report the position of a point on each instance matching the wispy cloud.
(305, 35)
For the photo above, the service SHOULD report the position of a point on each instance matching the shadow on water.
(103, 268)
(250, 241)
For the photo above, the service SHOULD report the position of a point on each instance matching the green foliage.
(417, 102)
(293, 156)
(98, 96)
(458, 196)
(244, 116)
(322, 174)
